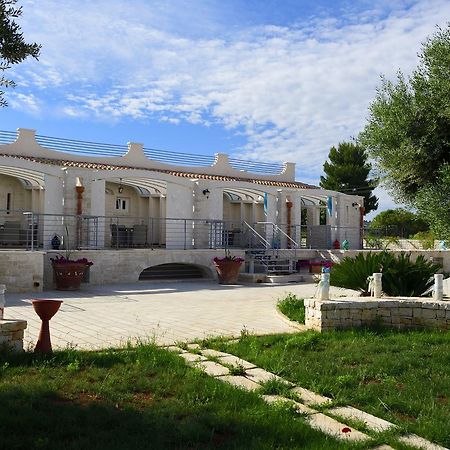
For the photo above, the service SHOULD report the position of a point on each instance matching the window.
(122, 204)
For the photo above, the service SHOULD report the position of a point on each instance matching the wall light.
(355, 204)
(206, 192)
(120, 190)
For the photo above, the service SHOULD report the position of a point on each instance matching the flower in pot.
(69, 272)
(228, 268)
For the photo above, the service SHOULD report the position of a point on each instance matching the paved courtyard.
(111, 315)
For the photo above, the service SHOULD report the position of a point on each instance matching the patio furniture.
(139, 235)
(121, 236)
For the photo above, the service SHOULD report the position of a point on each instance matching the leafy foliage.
(13, 48)
(408, 131)
(401, 275)
(292, 307)
(409, 278)
(348, 171)
(398, 222)
(434, 203)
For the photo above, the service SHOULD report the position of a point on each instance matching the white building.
(160, 207)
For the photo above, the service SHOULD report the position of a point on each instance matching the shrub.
(401, 275)
(426, 238)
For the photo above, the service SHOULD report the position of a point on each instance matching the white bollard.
(438, 290)
(324, 286)
(2, 299)
(377, 285)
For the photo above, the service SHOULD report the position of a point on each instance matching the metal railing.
(88, 148)
(29, 230)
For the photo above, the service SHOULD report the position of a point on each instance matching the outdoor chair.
(139, 235)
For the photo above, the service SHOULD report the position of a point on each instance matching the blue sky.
(267, 80)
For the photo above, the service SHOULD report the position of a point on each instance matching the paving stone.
(193, 347)
(419, 442)
(235, 361)
(261, 376)
(192, 358)
(212, 368)
(175, 349)
(242, 382)
(213, 353)
(310, 398)
(334, 428)
(383, 447)
(301, 409)
(372, 422)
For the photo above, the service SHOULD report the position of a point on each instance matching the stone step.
(299, 407)
(371, 422)
(334, 428)
(262, 376)
(311, 398)
(235, 361)
(419, 442)
(240, 382)
(213, 353)
(212, 368)
(192, 358)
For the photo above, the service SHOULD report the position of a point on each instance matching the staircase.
(263, 257)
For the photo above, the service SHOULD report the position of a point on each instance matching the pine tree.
(347, 171)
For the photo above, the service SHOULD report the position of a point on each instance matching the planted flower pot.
(68, 273)
(228, 269)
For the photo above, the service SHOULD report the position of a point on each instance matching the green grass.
(133, 398)
(401, 377)
(292, 307)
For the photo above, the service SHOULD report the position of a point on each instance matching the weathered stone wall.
(399, 313)
(11, 334)
(22, 271)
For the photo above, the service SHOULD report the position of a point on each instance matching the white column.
(209, 229)
(51, 222)
(97, 227)
(179, 213)
(271, 216)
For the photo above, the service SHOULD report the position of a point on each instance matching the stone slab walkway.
(110, 316)
(316, 409)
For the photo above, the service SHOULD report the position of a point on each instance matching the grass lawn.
(136, 398)
(403, 377)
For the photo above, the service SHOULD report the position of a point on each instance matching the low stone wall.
(21, 270)
(125, 266)
(11, 334)
(399, 313)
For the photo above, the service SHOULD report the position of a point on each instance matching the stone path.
(316, 409)
(112, 315)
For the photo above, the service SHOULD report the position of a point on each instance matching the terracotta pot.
(45, 309)
(68, 276)
(228, 271)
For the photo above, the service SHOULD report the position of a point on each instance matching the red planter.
(68, 276)
(45, 309)
(228, 270)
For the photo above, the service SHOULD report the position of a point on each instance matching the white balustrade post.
(377, 285)
(2, 299)
(324, 286)
(438, 291)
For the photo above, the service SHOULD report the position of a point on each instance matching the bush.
(292, 307)
(426, 238)
(401, 275)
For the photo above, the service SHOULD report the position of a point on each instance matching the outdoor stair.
(262, 257)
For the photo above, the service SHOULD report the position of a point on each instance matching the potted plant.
(228, 268)
(68, 273)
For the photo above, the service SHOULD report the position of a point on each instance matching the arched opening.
(173, 271)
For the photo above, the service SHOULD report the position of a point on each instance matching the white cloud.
(293, 91)
(24, 102)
